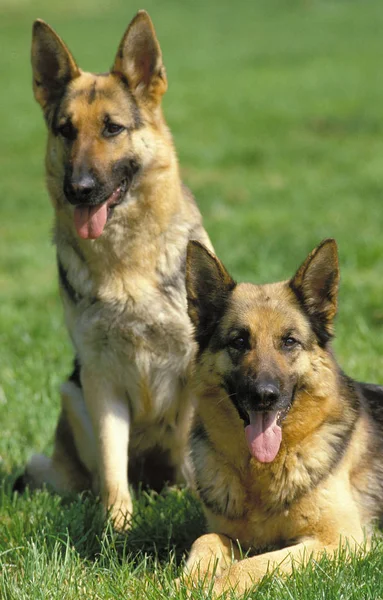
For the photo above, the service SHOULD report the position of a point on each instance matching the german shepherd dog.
(286, 449)
(122, 223)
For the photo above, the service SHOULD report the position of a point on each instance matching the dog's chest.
(243, 502)
(260, 530)
(145, 347)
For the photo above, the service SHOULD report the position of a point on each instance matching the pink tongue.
(90, 220)
(263, 435)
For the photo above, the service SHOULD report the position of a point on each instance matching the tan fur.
(123, 293)
(324, 487)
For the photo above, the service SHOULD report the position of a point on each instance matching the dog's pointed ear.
(316, 286)
(52, 64)
(139, 60)
(208, 287)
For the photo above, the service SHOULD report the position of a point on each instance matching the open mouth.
(90, 219)
(264, 433)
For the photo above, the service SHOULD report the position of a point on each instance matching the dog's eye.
(238, 343)
(290, 342)
(112, 129)
(68, 131)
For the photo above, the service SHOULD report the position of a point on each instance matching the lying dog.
(122, 223)
(286, 449)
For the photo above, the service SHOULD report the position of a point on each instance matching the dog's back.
(372, 404)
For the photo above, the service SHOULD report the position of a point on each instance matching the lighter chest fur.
(126, 327)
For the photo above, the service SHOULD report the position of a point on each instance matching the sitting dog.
(122, 223)
(286, 449)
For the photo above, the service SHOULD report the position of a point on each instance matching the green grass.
(276, 110)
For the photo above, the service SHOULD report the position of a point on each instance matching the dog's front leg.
(244, 574)
(209, 556)
(110, 417)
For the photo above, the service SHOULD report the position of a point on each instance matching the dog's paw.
(221, 585)
(120, 513)
(234, 579)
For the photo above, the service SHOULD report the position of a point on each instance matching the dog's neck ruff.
(264, 435)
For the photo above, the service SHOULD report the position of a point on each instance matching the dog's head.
(260, 343)
(103, 129)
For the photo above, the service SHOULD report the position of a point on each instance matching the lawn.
(276, 111)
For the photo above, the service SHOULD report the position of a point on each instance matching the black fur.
(318, 321)
(92, 93)
(208, 323)
(67, 286)
(372, 394)
(152, 470)
(75, 375)
(230, 387)
(209, 288)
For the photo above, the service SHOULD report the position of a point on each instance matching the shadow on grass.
(164, 525)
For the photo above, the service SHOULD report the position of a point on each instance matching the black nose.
(267, 391)
(83, 187)
(79, 188)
